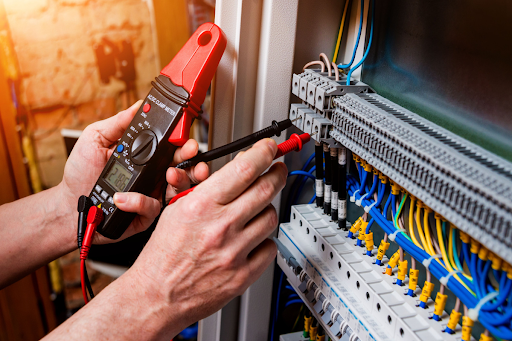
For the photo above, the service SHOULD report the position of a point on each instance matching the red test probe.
(94, 218)
(295, 142)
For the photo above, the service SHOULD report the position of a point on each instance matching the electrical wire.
(315, 62)
(349, 75)
(490, 320)
(327, 62)
(340, 32)
(346, 66)
(412, 234)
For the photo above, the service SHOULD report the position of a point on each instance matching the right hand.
(209, 246)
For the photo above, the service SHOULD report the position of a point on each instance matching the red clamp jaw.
(193, 69)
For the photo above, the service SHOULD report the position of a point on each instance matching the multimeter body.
(161, 124)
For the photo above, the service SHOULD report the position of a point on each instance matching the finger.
(180, 180)
(177, 179)
(187, 151)
(147, 208)
(258, 229)
(231, 180)
(260, 258)
(113, 127)
(240, 153)
(260, 193)
(198, 173)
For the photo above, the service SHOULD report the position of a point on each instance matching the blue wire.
(289, 287)
(367, 48)
(293, 296)
(299, 191)
(382, 191)
(346, 66)
(308, 162)
(374, 186)
(369, 226)
(292, 302)
(363, 181)
(489, 320)
(312, 199)
(298, 172)
(277, 305)
(386, 206)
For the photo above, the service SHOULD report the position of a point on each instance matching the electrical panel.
(450, 213)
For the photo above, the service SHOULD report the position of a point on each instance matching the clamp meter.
(162, 124)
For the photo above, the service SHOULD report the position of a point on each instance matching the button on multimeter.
(143, 147)
(120, 148)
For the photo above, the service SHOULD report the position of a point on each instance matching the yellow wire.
(411, 223)
(340, 33)
(450, 248)
(445, 257)
(420, 230)
(426, 228)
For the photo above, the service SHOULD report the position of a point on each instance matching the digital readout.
(118, 177)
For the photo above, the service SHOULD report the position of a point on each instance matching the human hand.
(90, 155)
(209, 246)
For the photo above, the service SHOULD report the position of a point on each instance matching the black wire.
(275, 129)
(87, 282)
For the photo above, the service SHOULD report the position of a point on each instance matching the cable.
(274, 129)
(335, 184)
(298, 172)
(327, 63)
(293, 302)
(340, 32)
(277, 305)
(489, 320)
(94, 218)
(328, 179)
(346, 66)
(315, 62)
(349, 75)
(319, 179)
(342, 190)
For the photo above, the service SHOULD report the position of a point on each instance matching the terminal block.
(469, 186)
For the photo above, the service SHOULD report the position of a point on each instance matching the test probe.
(294, 143)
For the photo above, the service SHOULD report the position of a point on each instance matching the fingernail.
(272, 144)
(120, 198)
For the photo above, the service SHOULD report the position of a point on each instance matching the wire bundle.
(464, 269)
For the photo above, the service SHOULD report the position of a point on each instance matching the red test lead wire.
(295, 142)
(94, 218)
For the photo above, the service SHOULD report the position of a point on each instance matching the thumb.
(113, 127)
(146, 207)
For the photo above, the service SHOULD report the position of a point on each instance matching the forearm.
(34, 231)
(125, 310)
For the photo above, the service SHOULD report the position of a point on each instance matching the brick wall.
(54, 42)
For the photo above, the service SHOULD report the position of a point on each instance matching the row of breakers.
(346, 291)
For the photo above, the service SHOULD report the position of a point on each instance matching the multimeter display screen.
(118, 176)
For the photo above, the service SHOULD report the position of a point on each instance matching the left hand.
(92, 152)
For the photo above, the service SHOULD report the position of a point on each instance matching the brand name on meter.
(161, 105)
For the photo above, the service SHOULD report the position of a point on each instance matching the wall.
(54, 42)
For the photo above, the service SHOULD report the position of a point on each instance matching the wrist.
(155, 315)
(64, 213)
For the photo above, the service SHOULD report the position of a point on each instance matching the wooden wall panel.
(172, 27)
